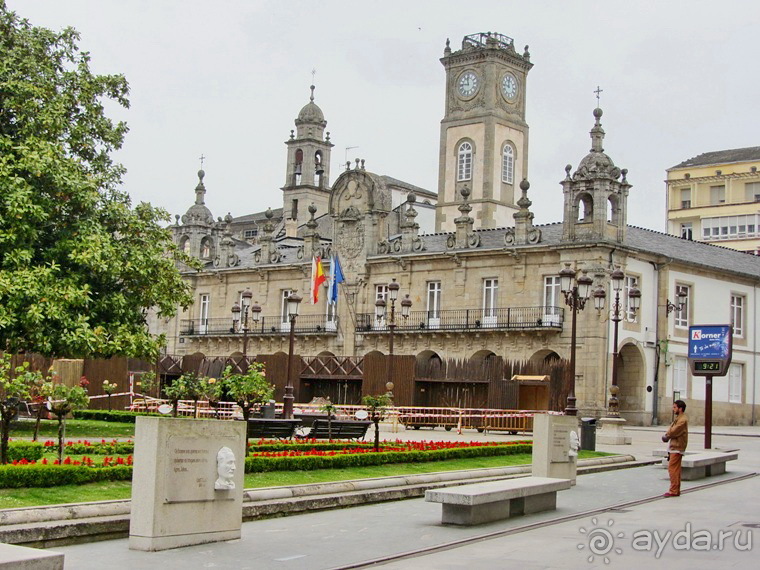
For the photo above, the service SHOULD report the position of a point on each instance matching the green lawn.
(12, 498)
(75, 429)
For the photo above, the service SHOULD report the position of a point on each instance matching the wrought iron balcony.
(305, 324)
(511, 318)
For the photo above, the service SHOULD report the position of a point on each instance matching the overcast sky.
(226, 79)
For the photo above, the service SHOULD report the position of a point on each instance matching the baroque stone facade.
(477, 288)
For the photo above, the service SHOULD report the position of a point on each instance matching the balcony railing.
(511, 318)
(305, 324)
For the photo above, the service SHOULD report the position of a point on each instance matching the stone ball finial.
(411, 198)
(312, 209)
(228, 217)
(176, 218)
(524, 185)
(568, 168)
(201, 174)
(465, 192)
(598, 113)
(269, 214)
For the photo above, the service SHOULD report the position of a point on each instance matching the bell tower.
(307, 173)
(484, 136)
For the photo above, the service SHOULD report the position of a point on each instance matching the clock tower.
(484, 136)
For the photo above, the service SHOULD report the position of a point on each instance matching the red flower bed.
(86, 461)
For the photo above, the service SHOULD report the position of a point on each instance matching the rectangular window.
(737, 314)
(686, 230)
(248, 234)
(381, 294)
(630, 284)
(685, 198)
(490, 293)
(735, 378)
(552, 300)
(682, 313)
(284, 317)
(680, 375)
(203, 312)
(752, 191)
(434, 300)
(717, 195)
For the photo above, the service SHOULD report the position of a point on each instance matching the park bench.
(496, 500)
(705, 464)
(340, 429)
(259, 428)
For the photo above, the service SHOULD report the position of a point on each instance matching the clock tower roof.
(596, 163)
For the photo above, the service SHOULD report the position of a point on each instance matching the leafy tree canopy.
(79, 266)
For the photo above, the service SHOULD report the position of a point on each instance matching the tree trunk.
(329, 427)
(246, 412)
(109, 402)
(377, 433)
(61, 436)
(40, 411)
(175, 407)
(5, 427)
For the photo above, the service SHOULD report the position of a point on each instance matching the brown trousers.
(674, 470)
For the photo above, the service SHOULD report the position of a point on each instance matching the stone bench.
(495, 500)
(705, 464)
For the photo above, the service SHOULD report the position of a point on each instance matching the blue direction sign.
(710, 348)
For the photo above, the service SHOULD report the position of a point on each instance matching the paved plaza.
(616, 516)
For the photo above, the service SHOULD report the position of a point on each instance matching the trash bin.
(267, 410)
(588, 434)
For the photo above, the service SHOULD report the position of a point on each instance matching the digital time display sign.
(710, 349)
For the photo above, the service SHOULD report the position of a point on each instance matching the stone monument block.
(553, 455)
(14, 557)
(187, 486)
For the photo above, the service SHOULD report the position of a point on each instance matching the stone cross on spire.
(202, 158)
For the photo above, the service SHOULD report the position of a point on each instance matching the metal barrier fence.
(411, 417)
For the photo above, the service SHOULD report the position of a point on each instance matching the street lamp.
(617, 279)
(577, 290)
(293, 301)
(681, 298)
(380, 312)
(255, 312)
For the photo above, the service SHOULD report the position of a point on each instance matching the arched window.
(464, 162)
(298, 167)
(508, 164)
(205, 249)
(184, 245)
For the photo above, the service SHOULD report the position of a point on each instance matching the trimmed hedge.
(308, 462)
(15, 476)
(29, 450)
(120, 416)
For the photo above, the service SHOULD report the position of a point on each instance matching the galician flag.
(317, 278)
(336, 276)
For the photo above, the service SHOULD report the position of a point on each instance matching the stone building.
(486, 283)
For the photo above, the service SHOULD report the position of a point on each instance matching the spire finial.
(311, 98)
(598, 92)
(202, 158)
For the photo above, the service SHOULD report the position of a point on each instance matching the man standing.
(677, 437)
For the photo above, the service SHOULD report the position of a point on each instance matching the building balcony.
(305, 324)
(504, 319)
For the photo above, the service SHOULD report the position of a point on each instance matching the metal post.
(287, 399)
(708, 411)
(391, 326)
(613, 408)
(570, 409)
(245, 333)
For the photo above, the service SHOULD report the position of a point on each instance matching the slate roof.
(722, 157)
(389, 180)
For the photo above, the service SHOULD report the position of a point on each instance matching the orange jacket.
(678, 433)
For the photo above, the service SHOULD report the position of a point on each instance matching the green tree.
(377, 406)
(329, 408)
(189, 386)
(79, 266)
(249, 389)
(16, 384)
(62, 401)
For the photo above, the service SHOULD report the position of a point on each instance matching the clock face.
(468, 84)
(509, 86)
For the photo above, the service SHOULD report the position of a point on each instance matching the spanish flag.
(317, 278)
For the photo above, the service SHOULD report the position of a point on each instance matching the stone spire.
(268, 252)
(523, 232)
(464, 236)
(311, 239)
(227, 256)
